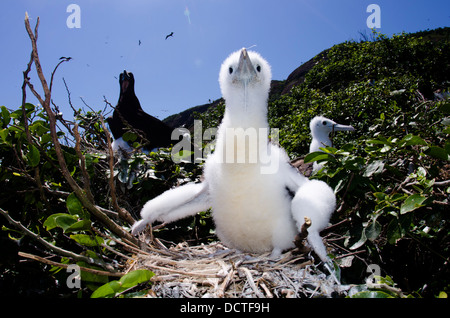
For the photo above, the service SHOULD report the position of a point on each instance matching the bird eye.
(230, 70)
(324, 123)
(258, 68)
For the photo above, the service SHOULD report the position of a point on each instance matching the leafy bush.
(391, 175)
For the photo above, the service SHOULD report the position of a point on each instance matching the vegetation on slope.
(392, 174)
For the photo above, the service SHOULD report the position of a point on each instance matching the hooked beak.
(245, 70)
(340, 127)
(125, 77)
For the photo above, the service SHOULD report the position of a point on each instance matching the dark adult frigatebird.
(169, 35)
(128, 115)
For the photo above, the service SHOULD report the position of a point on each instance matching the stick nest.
(214, 270)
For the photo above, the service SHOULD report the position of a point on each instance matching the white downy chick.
(321, 128)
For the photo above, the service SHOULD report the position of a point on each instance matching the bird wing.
(115, 125)
(155, 131)
(294, 178)
(175, 204)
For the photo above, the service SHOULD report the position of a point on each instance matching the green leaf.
(135, 277)
(385, 280)
(182, 155)
(442, 294)
(62, 220)
(107, 290)
(87, 240)
(413, 202)
(397, 228)
(82, 225)
(33, 156)
(375, 167)
(4, 135)
(385, 149)
(127, 281)
(90, 277)
(317, 156)
(74, 205)
(394, 232)
(376, 142)
(373, 230)
(39, 128)
(129, 136)
(361, 241)
(438, 153)
(444, 108)
(411, 140)
(5, 117)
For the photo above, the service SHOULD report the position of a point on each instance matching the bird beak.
(245, 70)
(342, 127)
(125, 81)
(126, 74)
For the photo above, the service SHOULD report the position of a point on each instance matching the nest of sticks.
(215, 271)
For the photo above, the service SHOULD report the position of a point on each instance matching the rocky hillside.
(297, 77)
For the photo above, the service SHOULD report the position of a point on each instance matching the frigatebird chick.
(128, 115)
(258, 199)
(321, 128)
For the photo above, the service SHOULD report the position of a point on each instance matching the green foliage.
(119, 287)
(390, 175)
(360, 83)
(35, 193)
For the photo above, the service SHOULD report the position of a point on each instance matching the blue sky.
(182, 71)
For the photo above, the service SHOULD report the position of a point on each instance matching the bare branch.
(48, 245)
(82, 196)
(87, 187)
(124, 214)
(84, 269)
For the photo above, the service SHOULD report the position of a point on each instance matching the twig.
(37, 178)
(81, 195)
(221, 290)
(442, 183)
(251, 282)
(130, 248)
(327, 229)
(48, 245)
(54, 71)
(87, 187)
(394, 290)
(350, 254)
(84, 269)
(300, 238)
(123, 214)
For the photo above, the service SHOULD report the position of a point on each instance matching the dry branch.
(85, 269)
(51, 247)
(80, 193)
(123, 214)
